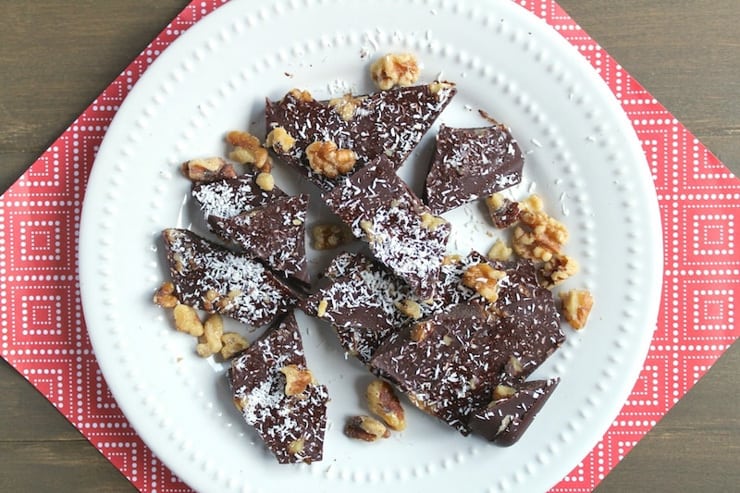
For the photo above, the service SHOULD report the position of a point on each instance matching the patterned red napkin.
(44, 335)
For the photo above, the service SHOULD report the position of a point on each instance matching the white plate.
(582, 157)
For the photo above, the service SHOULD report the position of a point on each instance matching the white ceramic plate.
(582, 157)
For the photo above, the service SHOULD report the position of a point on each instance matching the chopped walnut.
(345, 106)
(233, 344)
(431, 222)
(384, 403)
(187, 320)
(395, 69)
(539, 236)
(165, 295)
(265, 181)
(301, 95)
(326, 159)
(451, 259)
(329, 236)
(410, 308)
(323, 306)
(248, 150)
(503, 212)
(210, 342)
(296, 446)
(484, 280)
(556, 270)
(499, 251)
(296, 379)
(280, 140)
(577, 304)
(438, 87)
(367, 227)
(365, 428)
(420, 331)
(503, 392)
(208, 169)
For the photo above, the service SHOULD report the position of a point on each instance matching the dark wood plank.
(57, 56)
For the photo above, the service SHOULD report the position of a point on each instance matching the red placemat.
(44, 337)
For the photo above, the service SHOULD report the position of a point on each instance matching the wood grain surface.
(56, 57)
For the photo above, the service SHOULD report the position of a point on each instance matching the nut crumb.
(503, 212)
(395, 69)
(438, 87)
(265, 181)
(187, 320)
(329, 236)
(345, 106)
(503, 392)
(365, 428)
(301, 95)
(420, 331)
(558, 269)
(208, 169)
(499, 251)
(326, 159)
(484, 280)
(165, 295)
(410, 308)
(323, 306)
(296, 379)
(296, 446)
(577, 304)
(451, 259)
(383, 402)
(280, 140)
(431, 222)
(233, 344)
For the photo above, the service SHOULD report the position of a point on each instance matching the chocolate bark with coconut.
(471, 163)
(277, 394)
(390, 123)
(401, 232)
(210, 277)
(274, 233)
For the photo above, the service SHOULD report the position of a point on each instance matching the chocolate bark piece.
(389, 123)
(470, 163)
(291, 420)
(402, 233)
(274, 233)
(227, 198)
(503, 212)
(504, 421)
(210, 277)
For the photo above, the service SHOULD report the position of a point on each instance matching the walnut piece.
(187, 320)
(208, 169)
(210, 342)
(326, 159)
(328, 236)
(484, 280)
(345, 106)
(438, 87)
(410, 308)
(365, 428)
(420, 331)
(577, 304)
(321, 309)
(431, 222)
(296, 379)
(395, 69)
(165, 295)
(499, 251)
(265, 181)
(384, 403)
(296, 446)
(538, 236)
(503, 392)
(233, 344)
(301, 95)
(280, 140)
(248, 150)
(556, 270)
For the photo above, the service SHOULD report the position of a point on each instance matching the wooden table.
(55, 57)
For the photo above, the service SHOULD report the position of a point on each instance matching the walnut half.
(395, 69)
(325, 158)
(577, 304)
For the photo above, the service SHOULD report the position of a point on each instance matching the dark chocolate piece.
(389, 123)
(505, 420)
(471, 163)
(227, 198)
(292, 426)
(274, 233)
(402, 233)
(210, 277)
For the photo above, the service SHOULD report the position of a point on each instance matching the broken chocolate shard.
(389, 123)
(274, 233)
(401, 232)
(504, 421)
(471, 163)
(291, 423)
(210, 277)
